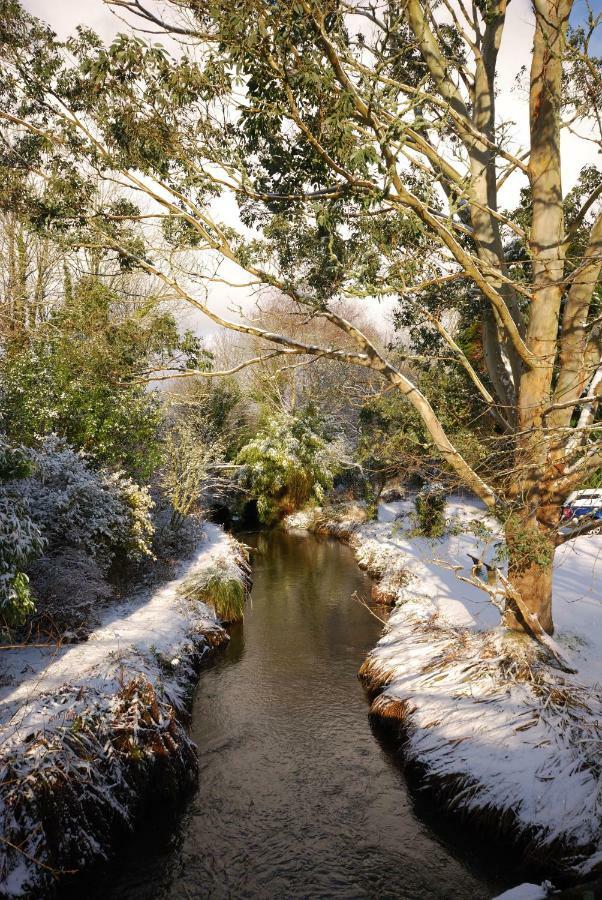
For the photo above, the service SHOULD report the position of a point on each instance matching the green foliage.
(187, 461)
(287, 464)
(430, 510)
(594, 480)
(391, 438)
(200, 432)
(226, 596)
(526, 545)
(77, 378)
(211, 407)
(220, 588)
(394, 440)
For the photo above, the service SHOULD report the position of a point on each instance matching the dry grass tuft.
(389, 708)
(81, 777)
(374, 675)
(384, 594)
(221, 586)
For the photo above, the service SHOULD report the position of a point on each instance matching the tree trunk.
(534, 584)
(531, 550)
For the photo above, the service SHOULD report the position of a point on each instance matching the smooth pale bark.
(574, 370)
(503, 363)
(534, 585)
(535, 481)
(547, 226)
(16, 299)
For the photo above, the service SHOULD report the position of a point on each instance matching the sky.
(65, 15)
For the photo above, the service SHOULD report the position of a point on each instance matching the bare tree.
(30, 277)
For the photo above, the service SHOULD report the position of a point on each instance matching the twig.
(37, 861)
(356, 596)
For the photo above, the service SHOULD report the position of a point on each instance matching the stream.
(298, 797)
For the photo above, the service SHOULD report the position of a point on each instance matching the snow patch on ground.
(526, 891)
(156, 621)
(499, 731)
(114, 700)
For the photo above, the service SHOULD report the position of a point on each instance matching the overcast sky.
(65, 15)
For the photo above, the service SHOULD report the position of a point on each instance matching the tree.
(188, 462)
(82, 374)
(394, 441)
(362, 143)
(29, 272)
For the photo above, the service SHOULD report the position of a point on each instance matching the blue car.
(581, 504)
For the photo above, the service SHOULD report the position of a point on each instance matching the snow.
(578, 603)
(144, 624)
(526, 891)
(485, 710)
(457, 603)
(152, 638)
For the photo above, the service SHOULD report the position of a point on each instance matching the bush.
(20, 539)
(189, 457)
(430, 509)
(78, 376)
(76, 506)
(68, 586)
(227, 597)
(51, 500)
(287, 464)
(220, 588)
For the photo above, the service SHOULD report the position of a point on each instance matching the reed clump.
(219, 587)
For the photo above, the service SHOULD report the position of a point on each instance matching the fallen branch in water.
(356, 596)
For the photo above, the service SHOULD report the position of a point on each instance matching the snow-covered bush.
(287, 464)
(223, 585)
(51, 500)
(20, 539)
(68, 586)
(74, 505)
(136, 532)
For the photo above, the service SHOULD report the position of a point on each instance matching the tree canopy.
(362, 145)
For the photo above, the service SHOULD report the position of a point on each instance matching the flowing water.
(297, 797)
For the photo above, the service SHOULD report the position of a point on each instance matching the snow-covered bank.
(497, 731)
(88, 729)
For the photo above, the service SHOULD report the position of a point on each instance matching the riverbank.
(88, 731)
(296, 796)
(498, 734)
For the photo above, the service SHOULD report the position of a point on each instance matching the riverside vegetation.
(419, 312)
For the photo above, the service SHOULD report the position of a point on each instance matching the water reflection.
(296, 796)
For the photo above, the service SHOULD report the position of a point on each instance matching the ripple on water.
(297, 798)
